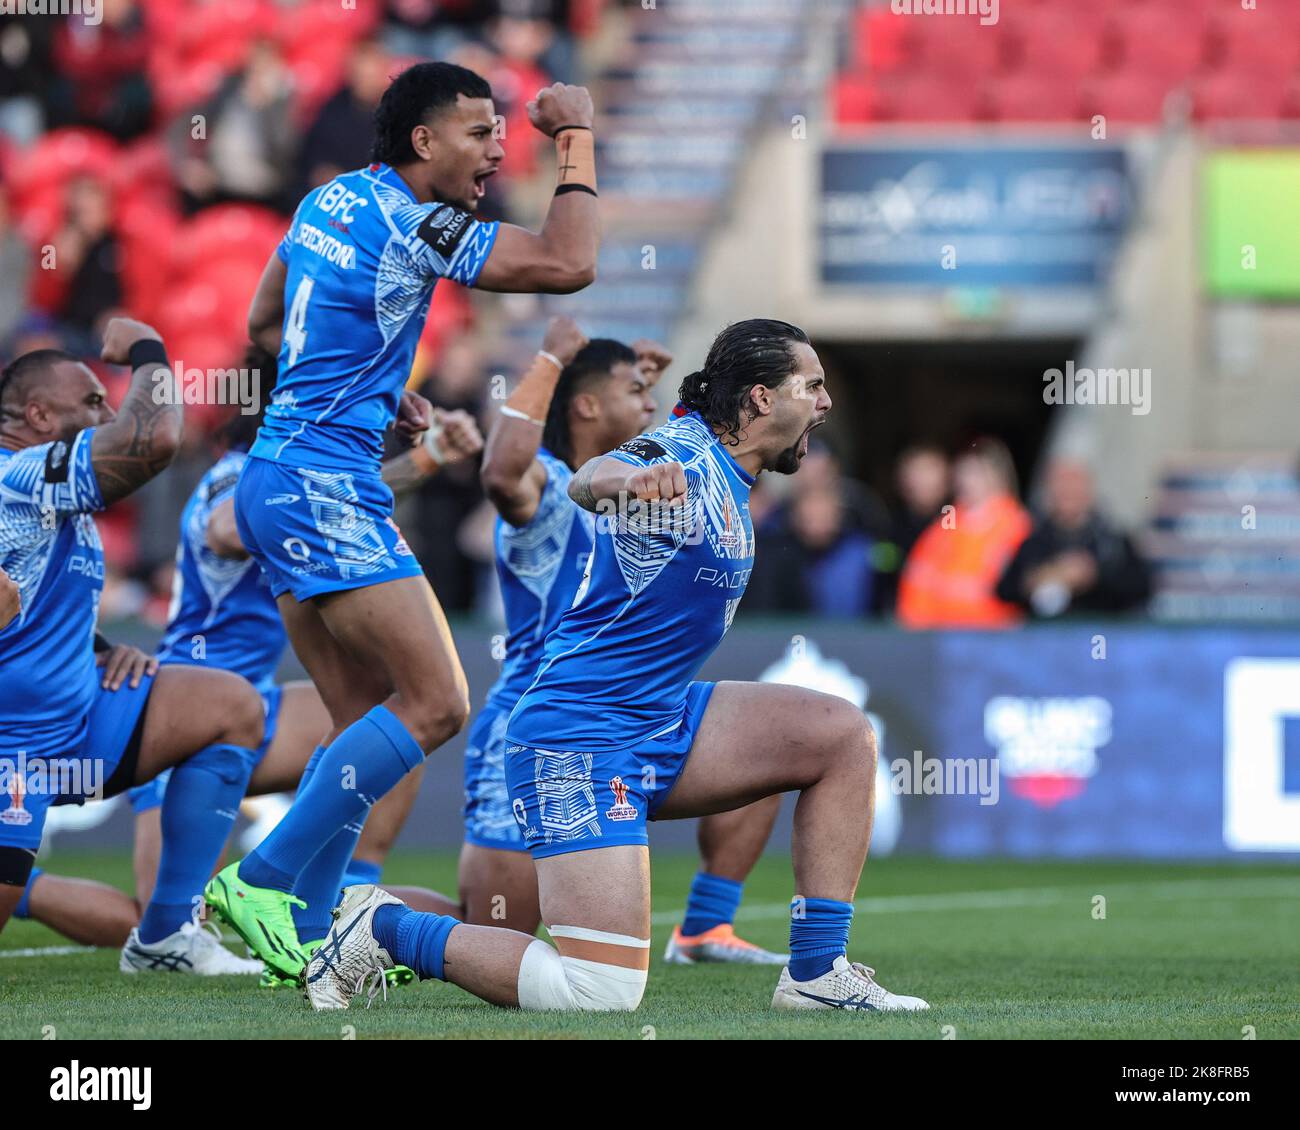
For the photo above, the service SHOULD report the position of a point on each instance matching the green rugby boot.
(262, 917)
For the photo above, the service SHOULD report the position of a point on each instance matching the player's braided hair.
(409, 100)
(18, 376)
(592, 362)
(753, 352)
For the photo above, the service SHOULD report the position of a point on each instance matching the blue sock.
(362, 872)
(198, 809)
(21, 910)
(414, 939)
(819, 933)
(372, 755)
(320, 883)
(712, 901)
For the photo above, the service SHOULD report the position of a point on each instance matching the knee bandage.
(550, 980)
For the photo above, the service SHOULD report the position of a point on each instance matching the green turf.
(1001, 950)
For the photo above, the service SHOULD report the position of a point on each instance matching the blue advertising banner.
(1125, 740)
(971, 215)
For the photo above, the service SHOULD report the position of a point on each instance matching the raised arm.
(561, 258)
(606, 479)
(511, 475)
(144, 436)
(450, 438)
(266, 314)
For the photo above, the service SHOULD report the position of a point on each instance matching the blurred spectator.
(27, 76)
(812, 560)
(432, 29)
(247, 143)
(105, 67)
(432, 517)
(951, 576)
(339, 139)
(814, 550)
(1074, 560)
(86, 283)
(922, 479)
(15, 267)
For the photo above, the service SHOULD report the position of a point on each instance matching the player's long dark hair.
(411, 97)
(754, 352)
(592, 362)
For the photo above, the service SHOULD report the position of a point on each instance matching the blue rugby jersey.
(50, 547)
(222, 612)
(363, 257)
(660, 596)
(540, 566)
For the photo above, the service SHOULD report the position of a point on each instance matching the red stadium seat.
(882, 41)
(1160, 41)
(1061, 42)
(960, 48)
(1126, 96)
(856, 99)
(930, 97)
(228, 232)
(60, 154)
(1234, 95)
(1032, 97)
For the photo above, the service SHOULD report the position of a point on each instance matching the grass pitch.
(1000, 949)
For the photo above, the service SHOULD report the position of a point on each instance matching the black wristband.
(575, 188)
(563, 128)
(147, 352)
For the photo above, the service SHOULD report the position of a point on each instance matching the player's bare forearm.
(599, 479)
(145, 435)
(223, 532)
(266, 312)
(511, 476)
(560, 259)
(407, 471)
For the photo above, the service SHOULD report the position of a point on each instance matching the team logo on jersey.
(444, 228)
(727, 539)
(643, 448)
(16, 815)
(621, 810)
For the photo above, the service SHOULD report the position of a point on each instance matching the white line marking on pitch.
(1029, 896)
(47, 951)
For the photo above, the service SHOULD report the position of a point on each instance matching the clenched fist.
(662, 482)
(455, 435)
(122, 333)
(561, 105)
(563, 339)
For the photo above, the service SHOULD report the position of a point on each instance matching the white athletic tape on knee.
(549, 981)
(581, 934)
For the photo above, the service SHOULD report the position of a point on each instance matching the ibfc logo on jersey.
(621, 810)
(16, 815)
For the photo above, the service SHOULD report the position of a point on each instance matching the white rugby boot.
(845, 985)
(194, 948)
(349, 960)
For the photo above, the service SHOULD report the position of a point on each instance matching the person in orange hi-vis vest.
(951, 576)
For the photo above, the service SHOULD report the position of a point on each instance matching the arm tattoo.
(580, 485)
(141, 441)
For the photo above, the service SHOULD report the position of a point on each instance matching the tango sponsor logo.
(621, 810)
(75, 1083)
